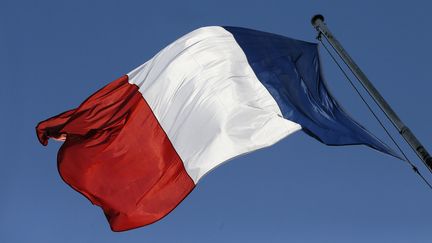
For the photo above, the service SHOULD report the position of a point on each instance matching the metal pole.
(320, 26)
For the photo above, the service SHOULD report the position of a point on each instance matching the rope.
(382, 110)
(414, 168)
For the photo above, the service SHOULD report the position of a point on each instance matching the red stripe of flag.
(119, 157)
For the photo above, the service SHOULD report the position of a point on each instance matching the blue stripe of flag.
(290, 70)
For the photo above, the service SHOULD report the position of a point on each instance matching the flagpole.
(321, 27)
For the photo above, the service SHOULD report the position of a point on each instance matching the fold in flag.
(138, 146)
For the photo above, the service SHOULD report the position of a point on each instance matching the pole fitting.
(415, 169)
(403, 130)
(424, 155)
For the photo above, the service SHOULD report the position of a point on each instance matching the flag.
(138, 146)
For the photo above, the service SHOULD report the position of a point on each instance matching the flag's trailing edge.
(138, 146)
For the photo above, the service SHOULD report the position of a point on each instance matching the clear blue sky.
(54, 54)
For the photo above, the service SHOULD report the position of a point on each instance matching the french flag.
(139, 146)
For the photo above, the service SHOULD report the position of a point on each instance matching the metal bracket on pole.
(321, 27)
